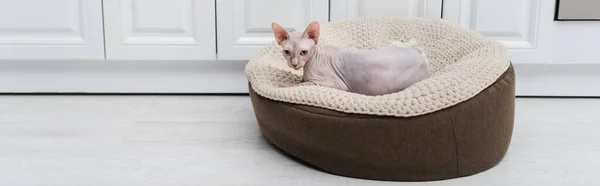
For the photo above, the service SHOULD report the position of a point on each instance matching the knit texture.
(463, 63)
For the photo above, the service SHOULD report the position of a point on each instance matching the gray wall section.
(579, 9)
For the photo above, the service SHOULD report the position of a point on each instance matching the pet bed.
(457, 122)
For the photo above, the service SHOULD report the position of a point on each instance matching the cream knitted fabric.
(462, 62)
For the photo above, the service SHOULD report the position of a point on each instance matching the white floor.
(211, 140)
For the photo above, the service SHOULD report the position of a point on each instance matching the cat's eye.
(286, 52)
(304, 52)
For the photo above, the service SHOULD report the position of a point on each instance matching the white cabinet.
(199, 46)
(238, 29)
(160, 29)
(523, 26)
(171, 29)
(56, 29)
(244, 26)
(348, 9)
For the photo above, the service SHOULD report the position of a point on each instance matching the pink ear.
(312, 31)
(280, 33)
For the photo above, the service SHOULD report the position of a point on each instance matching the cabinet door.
(160, 29)
(347, 9)
(515, 23)
(56, 29)
(244, 26)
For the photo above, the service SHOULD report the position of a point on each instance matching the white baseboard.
(215, 77)
(123, 77)
(558, 80)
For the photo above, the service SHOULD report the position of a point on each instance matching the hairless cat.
(373, 72)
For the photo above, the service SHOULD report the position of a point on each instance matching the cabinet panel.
(344, 9)
(160, 29)
(244, 27)
(515, 23)
(57, 29)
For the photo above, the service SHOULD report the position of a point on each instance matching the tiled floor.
(214, 140)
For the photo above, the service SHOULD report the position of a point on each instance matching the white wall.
(575, 42)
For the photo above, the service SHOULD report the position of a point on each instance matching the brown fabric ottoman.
(461, 140)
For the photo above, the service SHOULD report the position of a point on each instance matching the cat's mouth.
(297, 67)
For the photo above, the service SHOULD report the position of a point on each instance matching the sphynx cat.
(373, 72)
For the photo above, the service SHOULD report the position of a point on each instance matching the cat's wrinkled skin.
(370, 72)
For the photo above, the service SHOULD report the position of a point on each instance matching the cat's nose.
(294, 65)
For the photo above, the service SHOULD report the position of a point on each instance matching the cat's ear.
(312, 31)
(280, 33)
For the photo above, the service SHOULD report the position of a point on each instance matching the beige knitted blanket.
(463, 63)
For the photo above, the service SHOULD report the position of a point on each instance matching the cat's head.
(297, 46)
